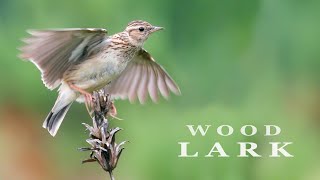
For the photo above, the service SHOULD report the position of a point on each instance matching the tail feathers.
(54, 120)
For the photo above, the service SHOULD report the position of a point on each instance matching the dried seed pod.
(104, 148)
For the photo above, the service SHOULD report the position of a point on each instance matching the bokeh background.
(237, 62)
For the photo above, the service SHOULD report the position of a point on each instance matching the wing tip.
(176, 90)
(32, 32)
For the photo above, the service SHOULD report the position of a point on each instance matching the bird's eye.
(141, 29)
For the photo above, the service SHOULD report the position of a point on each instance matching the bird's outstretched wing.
(141, 77)
(55, 51)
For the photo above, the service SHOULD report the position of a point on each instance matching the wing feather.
(162, 84)
(143, 88)
(152, 85)
(132, 90)
(141, 77)
(124, 86)
(55, 51)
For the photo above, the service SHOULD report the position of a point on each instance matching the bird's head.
(139, 31)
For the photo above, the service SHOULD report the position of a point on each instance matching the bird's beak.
(155, 28)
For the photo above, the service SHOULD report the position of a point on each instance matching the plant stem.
(111, 175)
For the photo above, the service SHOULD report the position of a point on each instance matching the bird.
(79, 61)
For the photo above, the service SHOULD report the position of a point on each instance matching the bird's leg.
(88, 96)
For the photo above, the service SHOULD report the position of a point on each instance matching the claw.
(113, 112)
(115, 117)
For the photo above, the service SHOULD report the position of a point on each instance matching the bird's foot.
(113, 112)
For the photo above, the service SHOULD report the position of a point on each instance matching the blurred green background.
(237, 62)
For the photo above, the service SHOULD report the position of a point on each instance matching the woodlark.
(82, 60)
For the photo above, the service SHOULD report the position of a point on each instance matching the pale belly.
(95, 74)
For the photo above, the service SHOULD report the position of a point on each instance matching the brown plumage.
(81, 61)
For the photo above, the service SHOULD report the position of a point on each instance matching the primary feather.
(55, 51)
(141, 77)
